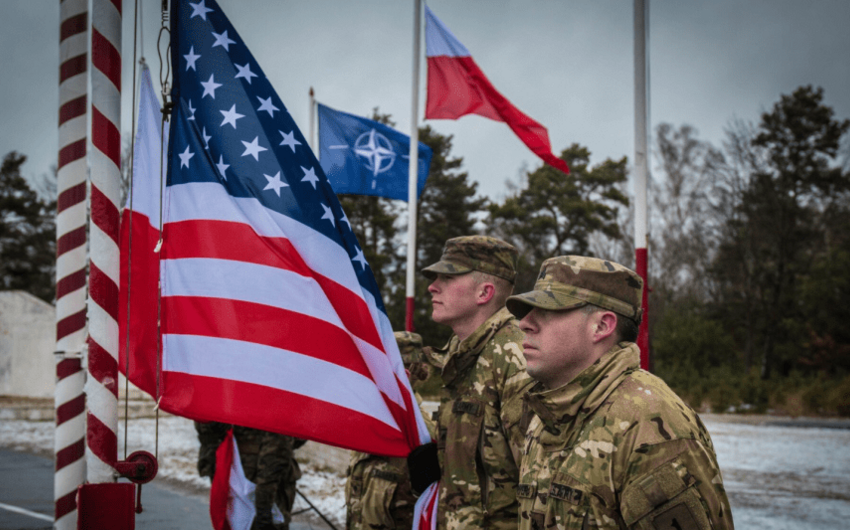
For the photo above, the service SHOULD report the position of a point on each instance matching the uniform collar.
(460, 355)
(558, 408)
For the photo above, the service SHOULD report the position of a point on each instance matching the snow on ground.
(784, 477)
(777, 477)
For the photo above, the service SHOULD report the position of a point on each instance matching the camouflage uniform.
(478, 422)
(615, 447)
(268, 461)
(210, 434)
(377, 491)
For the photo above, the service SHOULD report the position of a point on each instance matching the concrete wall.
(27, 341)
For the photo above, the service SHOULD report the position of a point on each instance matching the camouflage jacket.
(616, 448)
(478, 425)
(378, 494)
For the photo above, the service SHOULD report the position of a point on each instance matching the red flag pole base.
(109, 505)
(643, 332)
(408, 315)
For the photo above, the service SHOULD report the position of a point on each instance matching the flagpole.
(641, 21)
(414, 166)
(312, 127)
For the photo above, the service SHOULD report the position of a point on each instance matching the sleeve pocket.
(665, 499)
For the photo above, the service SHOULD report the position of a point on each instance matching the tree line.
(749, 248)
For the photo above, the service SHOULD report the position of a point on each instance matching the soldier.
(378, 495)
(267, 460)
(483, 371)
(611, 446)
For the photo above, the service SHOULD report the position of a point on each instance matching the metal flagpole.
(641, 21)
(414, 166)
(312, 128)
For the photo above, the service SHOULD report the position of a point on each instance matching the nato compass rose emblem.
(376, 151)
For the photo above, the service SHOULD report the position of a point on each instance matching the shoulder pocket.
(664, 499)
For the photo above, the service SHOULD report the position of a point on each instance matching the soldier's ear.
(605, 325)
(485, 292)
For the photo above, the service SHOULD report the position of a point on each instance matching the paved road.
(26, 482)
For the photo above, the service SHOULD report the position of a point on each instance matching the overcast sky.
(566, 63)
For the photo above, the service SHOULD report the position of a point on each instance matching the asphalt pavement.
(26, 498)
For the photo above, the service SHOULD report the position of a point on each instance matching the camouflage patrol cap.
(567, 282)
(476, 253)
(410, 347)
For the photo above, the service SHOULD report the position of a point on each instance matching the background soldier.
(268, 461)
(378, 494)
(611, 445)
(483, 372)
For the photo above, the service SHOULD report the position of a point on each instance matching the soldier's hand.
(423, 466)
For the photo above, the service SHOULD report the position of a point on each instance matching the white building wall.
(27, 341)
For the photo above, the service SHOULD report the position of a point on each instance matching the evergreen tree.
(447, 208)
(556, 214)
(27, 233)
(777, 232)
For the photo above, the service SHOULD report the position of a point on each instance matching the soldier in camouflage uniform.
(267, 460)
(378, 494)
(483, 371)
(611, 446)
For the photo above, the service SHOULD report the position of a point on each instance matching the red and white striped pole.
(642, 173)
(105, 162)
(69, 441)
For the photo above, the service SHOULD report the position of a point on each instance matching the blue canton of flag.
(364, 157)
(271, 317)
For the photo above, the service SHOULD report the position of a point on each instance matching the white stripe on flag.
(274, 368)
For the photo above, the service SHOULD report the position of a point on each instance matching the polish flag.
(457, 87)
(140, 263)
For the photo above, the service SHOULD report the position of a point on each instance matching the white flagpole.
(414, 165)
(641, 21)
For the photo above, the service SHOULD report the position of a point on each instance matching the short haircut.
(626, 329)
(504, 288)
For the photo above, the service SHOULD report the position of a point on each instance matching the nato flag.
(364, 157)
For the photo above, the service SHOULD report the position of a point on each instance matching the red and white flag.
(457, 87)
(140, 263)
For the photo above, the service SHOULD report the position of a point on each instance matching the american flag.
(271, 317)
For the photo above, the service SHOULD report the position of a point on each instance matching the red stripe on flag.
(103, 291)
(101, 439)
(73, 66)
(70, 409)
(73, 26)
(70, 324)
(105, 136)
(70, 454)
(71, 152)
(261, 324)
(71, 196)
(104, 213)
(211, 399)
(142, 292)
(103, 367)
(220, 490)
(238, 242)
(71, 283)
(72, 109)
(106, 58)
(117, 4)
(459, 87)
